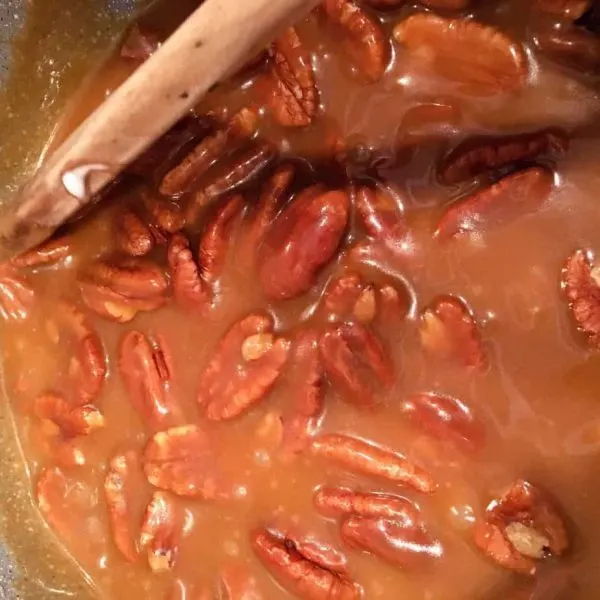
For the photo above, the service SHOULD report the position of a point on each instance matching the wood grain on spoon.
(217, 37)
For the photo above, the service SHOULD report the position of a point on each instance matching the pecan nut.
(409, 547)
(261, 218)
(180, 460)
(366, 458)
(318, 550)
(569, 9)
(475, 55)
(364, 41)
(165, 215)
(298, 574)
(87, 366)
(213, 147)
(445, 418)
(160, 532)
(573, 47)
(449, 331)
(167, 149)
(245, 165)
(118, 291)
(334, 502)
(384, 220)
(214, 244)
(301, 241)
(349, 297)
(479, 155)
(521, 528)
(68, 504)
(49, 253)
(513, 196)
(132, 235)
(116, 492)
(305, 397)
(246, 365)
(356, 362)
(17, 298)
(293, 96)
(581, 286)
(72, 420)
(189, 289)
(146, 370)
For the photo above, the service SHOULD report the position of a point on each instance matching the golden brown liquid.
(538, 400)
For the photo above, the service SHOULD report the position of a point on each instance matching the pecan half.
(449, 331)
(342, 295)
(72, 420)
(299, 575)
(445, 418)
(521, 528)
(147, 372)
(180, 460)
(314, 549)
(67, 505)
(581, 285)
(17, 298)
(194, 165)
(166, 216)
(476, 55)
(363, 457)
(513, 196)
(383, 220)
(189, 289)
(303, 239)
(116, 493)
(365, 42)
(87, 365)
(356, 362)
(168, 148)
(119, 290)
(569, 9)
(140, 43)
(305, 397)
(214, 243)
(573, 47)
(349, 297)
(407, 547)
(244, 166)
(161, 532)
(263, 215)
(48, 253)
(333, 502)
(243, 369)
(132, 235)
(293, 97)
(479, 155)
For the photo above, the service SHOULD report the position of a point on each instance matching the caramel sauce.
(537, 400)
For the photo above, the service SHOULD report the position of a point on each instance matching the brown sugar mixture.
(336, 335)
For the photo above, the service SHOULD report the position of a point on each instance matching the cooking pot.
(43, 56)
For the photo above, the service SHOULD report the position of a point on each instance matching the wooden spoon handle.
(218, 36)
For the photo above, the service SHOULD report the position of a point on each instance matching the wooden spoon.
(217, 37)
